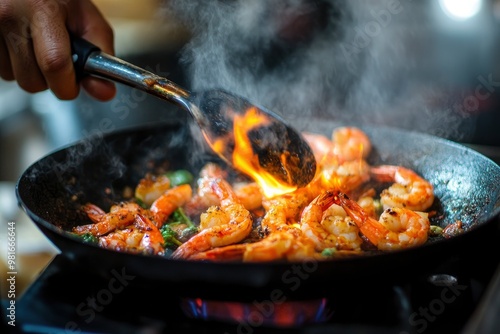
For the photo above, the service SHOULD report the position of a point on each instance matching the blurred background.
(429, 66)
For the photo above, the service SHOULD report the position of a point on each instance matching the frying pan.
(97, 169)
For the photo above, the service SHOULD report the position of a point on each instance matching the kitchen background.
(451, 63)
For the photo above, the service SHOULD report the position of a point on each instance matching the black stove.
(458, 297)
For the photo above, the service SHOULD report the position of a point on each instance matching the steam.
(348, 61)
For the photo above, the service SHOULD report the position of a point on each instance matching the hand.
(35, 46)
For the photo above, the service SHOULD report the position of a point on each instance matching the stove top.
(63, 299)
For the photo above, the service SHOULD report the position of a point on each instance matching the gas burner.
(276, 313)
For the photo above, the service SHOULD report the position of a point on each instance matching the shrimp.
(152, 240)
(284, 244)
(249, 194)
(234, 252)
(150, 188)
(339, 224)
(282, 208)
(282, 240)
(287, 244)
(409, 190)
(94, 212)
(120, 216)
(321, 146)
(346, 144)
(328, 226)
(205, 196)
(341, 159)
(140, 237)
(167, 203)
(369, 205)
(350, 143)
(219, 231)
(347, 176)
(310, 221)
(127, 239)
(397, 228)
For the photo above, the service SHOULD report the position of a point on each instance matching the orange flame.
(246, 161)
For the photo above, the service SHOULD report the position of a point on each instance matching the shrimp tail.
(325, 200)
(94, 212)
(367, 225)
(384, 173)
(152, 240)
(227, 253)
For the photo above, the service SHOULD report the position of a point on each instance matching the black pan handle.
(81, 50)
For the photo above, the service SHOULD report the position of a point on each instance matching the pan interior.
(98, 170)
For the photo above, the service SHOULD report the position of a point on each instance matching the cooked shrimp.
(274, 247)
(94, 212)
(127, 239)
(284, 208)
(350, 143)
(205, 193)
(204, 196)
(234, 252)
(341, 160)
(219, 231)
(339, 224)
(167, 203)
(140, 237)
(282, 239)
(321, 146)
(280, 245)
(397, 228)
(328, 226)
(152, 240)
(409, 191)
(346, 144)
(347, 176)
(369, 205)
(120, 216)
(212, 170)
(249, 194)
(151, 188)
(310, 221)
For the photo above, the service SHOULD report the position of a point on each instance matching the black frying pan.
(467, 187)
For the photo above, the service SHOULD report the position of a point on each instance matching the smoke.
(363, 62)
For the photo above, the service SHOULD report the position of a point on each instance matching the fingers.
(7, 22)
(24, 66)
(102, 90)
(5, 67)
(35, 45)
(52, 50)
(92, 26)
(18, 59)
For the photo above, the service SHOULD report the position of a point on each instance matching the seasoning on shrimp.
(397, 228)
(229, 225)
